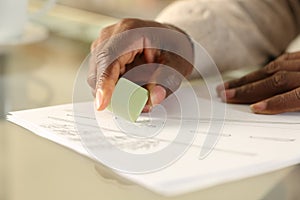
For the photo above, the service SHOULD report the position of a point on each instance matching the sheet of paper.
(248, 145)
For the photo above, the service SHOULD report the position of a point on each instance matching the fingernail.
(99, 99)
(258, 107)
(227, 94)
(157, 95)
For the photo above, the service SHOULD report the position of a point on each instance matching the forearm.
(237, 33)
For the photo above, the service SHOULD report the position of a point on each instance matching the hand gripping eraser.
(128, 100)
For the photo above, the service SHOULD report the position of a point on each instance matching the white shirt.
(237, 33)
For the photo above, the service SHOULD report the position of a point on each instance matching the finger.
(249, 78)
(287, 102)
(270, 69)
(278, 83)
(289, 56)
(105, 85)
(287, 65)
(111, 58)
(157, 94)
(107, 78)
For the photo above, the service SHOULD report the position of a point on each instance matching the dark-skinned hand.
(103, 74)
(273, 89)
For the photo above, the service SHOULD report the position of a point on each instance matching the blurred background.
(94, 13)
(147, 9)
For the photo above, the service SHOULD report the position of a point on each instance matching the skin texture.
(103, 76)
(273, 89)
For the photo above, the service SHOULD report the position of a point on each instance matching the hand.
(138, 49)
(273, 89)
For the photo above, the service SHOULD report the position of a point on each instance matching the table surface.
(31, 167)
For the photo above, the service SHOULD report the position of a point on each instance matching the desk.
(39, 169)
(32, 168)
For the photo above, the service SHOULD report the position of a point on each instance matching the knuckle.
(297, 93)
(100, 80)
(94, 45)
(104, 31)
(273, 67)
(279, 79)
(246, 90)
(286, 56)
(127, 23)
(279, 100)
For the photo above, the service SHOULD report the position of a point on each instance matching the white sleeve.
(237, 33)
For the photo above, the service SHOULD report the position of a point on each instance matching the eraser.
(128, 100)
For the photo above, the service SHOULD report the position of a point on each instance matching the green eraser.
(128, 100)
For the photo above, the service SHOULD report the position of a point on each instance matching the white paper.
(248, 145)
